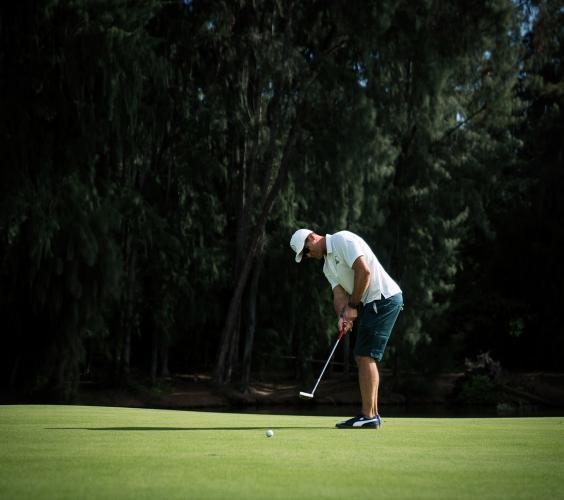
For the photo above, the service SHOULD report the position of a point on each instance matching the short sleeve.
(350, 250)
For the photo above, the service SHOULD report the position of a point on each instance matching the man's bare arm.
(361, 279)
(340, 299)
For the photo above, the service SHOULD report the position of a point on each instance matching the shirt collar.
(328, 244)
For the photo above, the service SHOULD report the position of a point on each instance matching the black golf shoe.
(360, 422)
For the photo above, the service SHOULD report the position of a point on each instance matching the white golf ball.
(269, 433)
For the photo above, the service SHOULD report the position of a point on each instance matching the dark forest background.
(156, 157)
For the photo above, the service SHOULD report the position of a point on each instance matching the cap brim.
(299, 256)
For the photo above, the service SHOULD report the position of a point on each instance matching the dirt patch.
(196, 391)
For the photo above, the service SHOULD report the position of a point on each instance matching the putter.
(309, 395)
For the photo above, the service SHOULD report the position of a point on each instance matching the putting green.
(98, 452)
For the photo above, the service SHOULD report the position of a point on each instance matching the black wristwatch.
(357, 306)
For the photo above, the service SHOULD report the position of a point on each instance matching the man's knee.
(364, 360)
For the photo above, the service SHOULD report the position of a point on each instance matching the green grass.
(97, 452)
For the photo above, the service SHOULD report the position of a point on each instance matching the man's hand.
(347, 317)
(349, 313)
(344, 324)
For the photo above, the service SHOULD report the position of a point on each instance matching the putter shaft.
(305, 395)
(326, 363)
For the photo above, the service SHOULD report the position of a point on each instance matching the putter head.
(306, 395)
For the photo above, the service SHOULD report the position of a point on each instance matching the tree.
(261, 81)
(159, 156)
(524, 239)
(79, 148)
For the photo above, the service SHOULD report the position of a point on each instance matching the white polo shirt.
(343, 248)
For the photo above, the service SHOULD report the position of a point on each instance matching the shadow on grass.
(177, 428)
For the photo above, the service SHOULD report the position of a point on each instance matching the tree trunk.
(154, 357)
(14, 373)
(159, 357)
(233, 352)
(126, 360)
(234, 310)
(252, 324)
(301, 364)
(164, 370)
(127, 322)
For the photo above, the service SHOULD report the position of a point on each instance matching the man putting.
(363, 295)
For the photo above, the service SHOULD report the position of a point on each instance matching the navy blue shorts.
(374, 326)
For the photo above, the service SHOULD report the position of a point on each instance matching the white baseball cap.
(297, 242)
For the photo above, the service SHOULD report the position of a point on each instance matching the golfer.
(365, 296)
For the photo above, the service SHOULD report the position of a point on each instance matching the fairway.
(101, 452)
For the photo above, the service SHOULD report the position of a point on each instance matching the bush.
(478, 390)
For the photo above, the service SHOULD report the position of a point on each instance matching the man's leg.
(368, 379)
